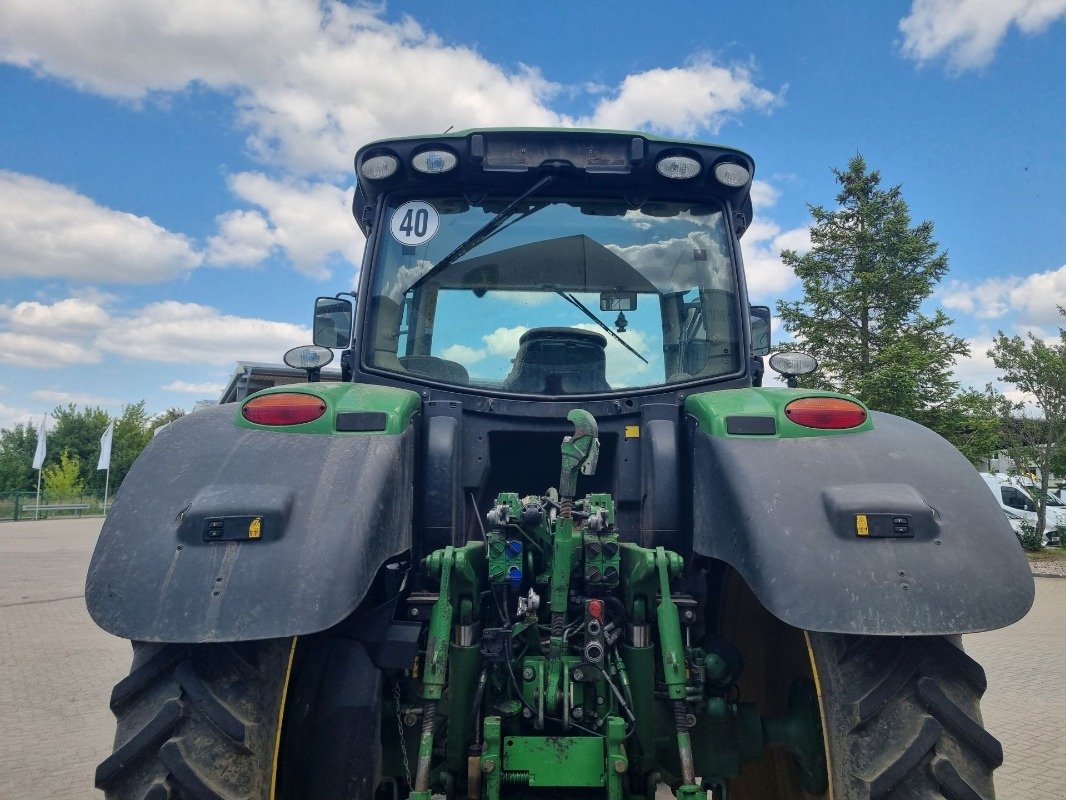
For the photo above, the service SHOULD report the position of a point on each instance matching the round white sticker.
(414, 223)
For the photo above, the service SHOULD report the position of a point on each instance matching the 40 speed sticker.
(415, 222)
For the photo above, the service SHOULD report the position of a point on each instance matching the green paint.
(492, 758)
(710, 410)
(562, 555)
(398, 405)
(580, 451)
(435, 671)
(554, 761)
(670, 641)
(617, 762)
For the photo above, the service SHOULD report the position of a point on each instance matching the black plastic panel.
(361, 421)
(750, 426)
(784, 513)
(332, 510)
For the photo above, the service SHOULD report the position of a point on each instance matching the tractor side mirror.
(333, 322)
(760, 330)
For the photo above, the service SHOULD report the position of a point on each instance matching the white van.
(1019, 506)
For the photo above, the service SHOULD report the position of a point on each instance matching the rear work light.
(832, 413)
(433, 162)
(284, 408)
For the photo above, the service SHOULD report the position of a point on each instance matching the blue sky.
(175, 176)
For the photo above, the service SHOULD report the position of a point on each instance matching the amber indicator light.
(284, 408)
(832, 413)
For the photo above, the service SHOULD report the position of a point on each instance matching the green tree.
(864, 280)
(165, 417)
(79, 432)
(63, 479)
(132, 432)
(17, 446)
(1038, 368)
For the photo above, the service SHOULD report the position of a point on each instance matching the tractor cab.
(513, 275)
(552, 264)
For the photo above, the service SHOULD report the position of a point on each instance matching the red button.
(595, 608)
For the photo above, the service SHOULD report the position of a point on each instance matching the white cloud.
(1035, 298)
(763, 195)
(65, 317)
(10, 416)
(504, 341)
(43, 352)
(189, 333)
(62, 398)
(463, 354)
(682, 100)
(624, 368)
(76, 331)
(767, 275)
(968, 32)
(310, 78)
(244, 239)
(311, 222)
(51, 231)
(194, 388)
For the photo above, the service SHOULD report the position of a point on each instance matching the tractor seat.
(440, 369)
(559, 361)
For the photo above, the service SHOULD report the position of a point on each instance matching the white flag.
(105, 448)
(42, 445)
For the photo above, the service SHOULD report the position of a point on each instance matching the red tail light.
(284, 408)
(826, 412)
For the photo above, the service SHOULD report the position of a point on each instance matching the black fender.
(783, 512)
(331, 509)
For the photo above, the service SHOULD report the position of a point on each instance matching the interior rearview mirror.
(333, 322)
(760, 330)
(618, 301)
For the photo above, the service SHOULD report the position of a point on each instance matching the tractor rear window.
(554, 297)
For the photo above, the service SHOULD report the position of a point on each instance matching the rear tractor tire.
(901, 719)
(201, 722)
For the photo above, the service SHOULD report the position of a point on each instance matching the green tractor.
(549, 536)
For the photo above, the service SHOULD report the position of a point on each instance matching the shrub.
(1031, 541)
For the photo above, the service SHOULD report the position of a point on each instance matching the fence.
(23, 505)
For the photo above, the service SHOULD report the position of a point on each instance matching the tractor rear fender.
(810, 522)
(307, 521)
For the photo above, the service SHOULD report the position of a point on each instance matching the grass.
(1048, 554)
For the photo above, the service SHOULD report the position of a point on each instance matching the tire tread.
(904, 719)
(196, 722)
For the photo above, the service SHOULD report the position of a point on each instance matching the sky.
(176, 175)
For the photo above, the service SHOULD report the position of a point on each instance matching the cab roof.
(600, 164)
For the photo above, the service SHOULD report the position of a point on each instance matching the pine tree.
(865, 279)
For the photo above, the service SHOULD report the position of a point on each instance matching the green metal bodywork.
(710, 410)
(398, 405)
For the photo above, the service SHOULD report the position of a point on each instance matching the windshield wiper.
(485, 232)
(573, 300)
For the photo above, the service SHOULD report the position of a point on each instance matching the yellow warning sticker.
(255, 528)
(862, 526)
(632, 431)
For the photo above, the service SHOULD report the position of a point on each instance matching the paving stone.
(57, 669)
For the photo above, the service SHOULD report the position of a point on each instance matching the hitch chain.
(399, 729)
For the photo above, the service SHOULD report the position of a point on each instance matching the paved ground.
(57, 669)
